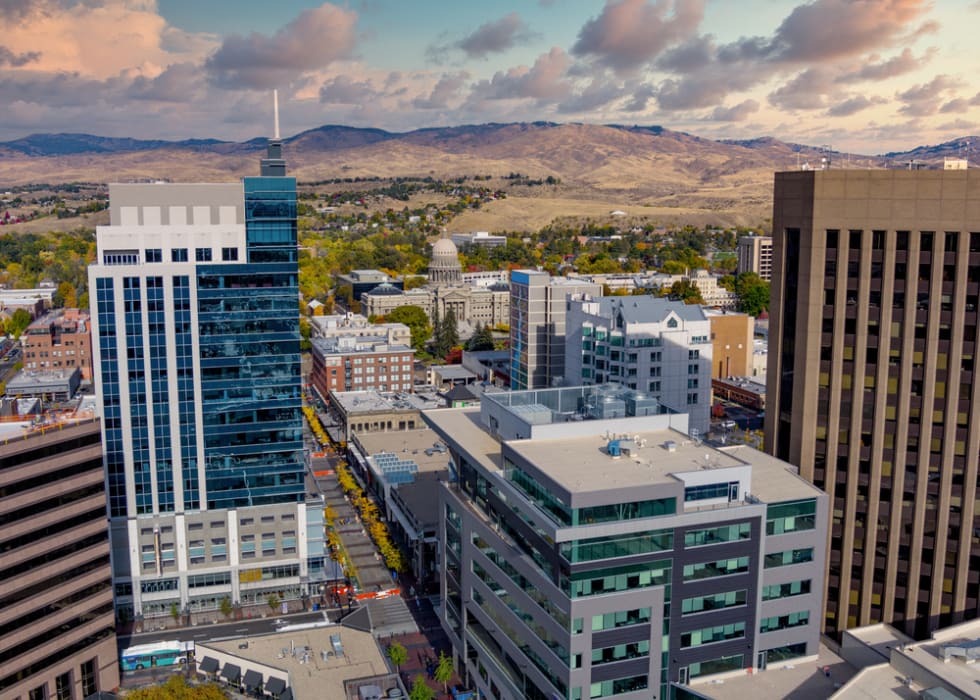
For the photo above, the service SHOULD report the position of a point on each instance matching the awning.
(252, 679)
(231, 672)
(275, 686)
(208, 665)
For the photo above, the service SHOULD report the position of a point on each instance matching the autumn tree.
(176, 688)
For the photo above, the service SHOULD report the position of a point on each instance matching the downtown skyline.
(867, 77)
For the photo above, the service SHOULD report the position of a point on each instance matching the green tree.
(273, 601)
(226, 607)
(446, 334)
(444, 671)
(416, 320)
(175, 612)
(752, 292)
(398, 654)
(421, 690)
(19, 322)
(686, 291)
(481, 340)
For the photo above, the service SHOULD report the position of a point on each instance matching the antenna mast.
(275, 113)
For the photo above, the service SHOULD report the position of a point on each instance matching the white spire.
(275, 112)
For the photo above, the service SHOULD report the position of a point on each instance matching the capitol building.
(478, 299)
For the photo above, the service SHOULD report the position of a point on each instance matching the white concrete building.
(656, 347)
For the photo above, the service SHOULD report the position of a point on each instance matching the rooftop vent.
(670, 446)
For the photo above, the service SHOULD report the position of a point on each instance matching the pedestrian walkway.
(372, 574)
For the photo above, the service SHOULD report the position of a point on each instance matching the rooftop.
(416, 445)
(747, 383)
(641, 309)
(373, 401)
(312, 676)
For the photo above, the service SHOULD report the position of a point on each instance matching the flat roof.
(464, 425)
(773, 480)
(582, 463)
(802, 679)
(372, 400)
(316, 678)
(406, 444)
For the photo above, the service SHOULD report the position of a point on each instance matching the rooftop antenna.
(275, 114)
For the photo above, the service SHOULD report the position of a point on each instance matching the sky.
(867, 76)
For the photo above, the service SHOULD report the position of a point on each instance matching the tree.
(67, 296)
(416, 320)
(273, 601)
(397, 654)
(686, 291)
(752, 292)
(481, 340)
(421, 690)
(176, 688)
(19, 322)
(175, 612)
(444, 671)
(226, 607)
(446, 334)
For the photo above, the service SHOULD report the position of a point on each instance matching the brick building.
(353, 364)
(60, 340)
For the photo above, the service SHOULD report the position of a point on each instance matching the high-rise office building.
(538, 304)
(755, 255)
(57, 628)
(196, 345)
(653, 346)
(873, 387)
(589, 558)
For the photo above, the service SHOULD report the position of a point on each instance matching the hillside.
(648, 169)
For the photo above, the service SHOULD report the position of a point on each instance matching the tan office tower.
(871, 385)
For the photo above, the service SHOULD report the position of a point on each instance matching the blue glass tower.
(198, 367)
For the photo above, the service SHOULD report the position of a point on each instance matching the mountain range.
(642, 165)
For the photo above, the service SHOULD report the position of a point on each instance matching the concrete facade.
(872, 384)
(56, 616)
(731, 344)
(589, 558)
(538, 304)
(755, 255)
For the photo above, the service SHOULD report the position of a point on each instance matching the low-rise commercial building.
(373, 411)
(355, 364)
(351, 325)
(59, 340)
(591, 558)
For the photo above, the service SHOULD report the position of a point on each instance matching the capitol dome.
(445, 267)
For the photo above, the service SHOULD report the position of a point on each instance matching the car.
(729, 424)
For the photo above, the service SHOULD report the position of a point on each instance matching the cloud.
(689, 56)
(641, 97)
(828, 29)
(448, 87)
(596, 94)
(316, 38)
(736, 113)
(805, 91)
(16, 60)
(495, 37)
(346, 91)
(923, 100)
(629, 34)
(180, 82)
(904, 63)
(955, 106)
(853, 105)
(544, 81)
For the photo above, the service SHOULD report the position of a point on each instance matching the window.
(62, 686)
(229, 254)
(692, 399)
(202, 254)
(782, 622)
(622, 618)
(693, 354)
(783, 518)
(153, 255)
(785, 590)
(710, 569)
(717, 535)
(716, 601)
(178, 255)
(710, 635)
(90, 684)
(707, 668)
(706, 492)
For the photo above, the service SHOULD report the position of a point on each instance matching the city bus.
(159, 654)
